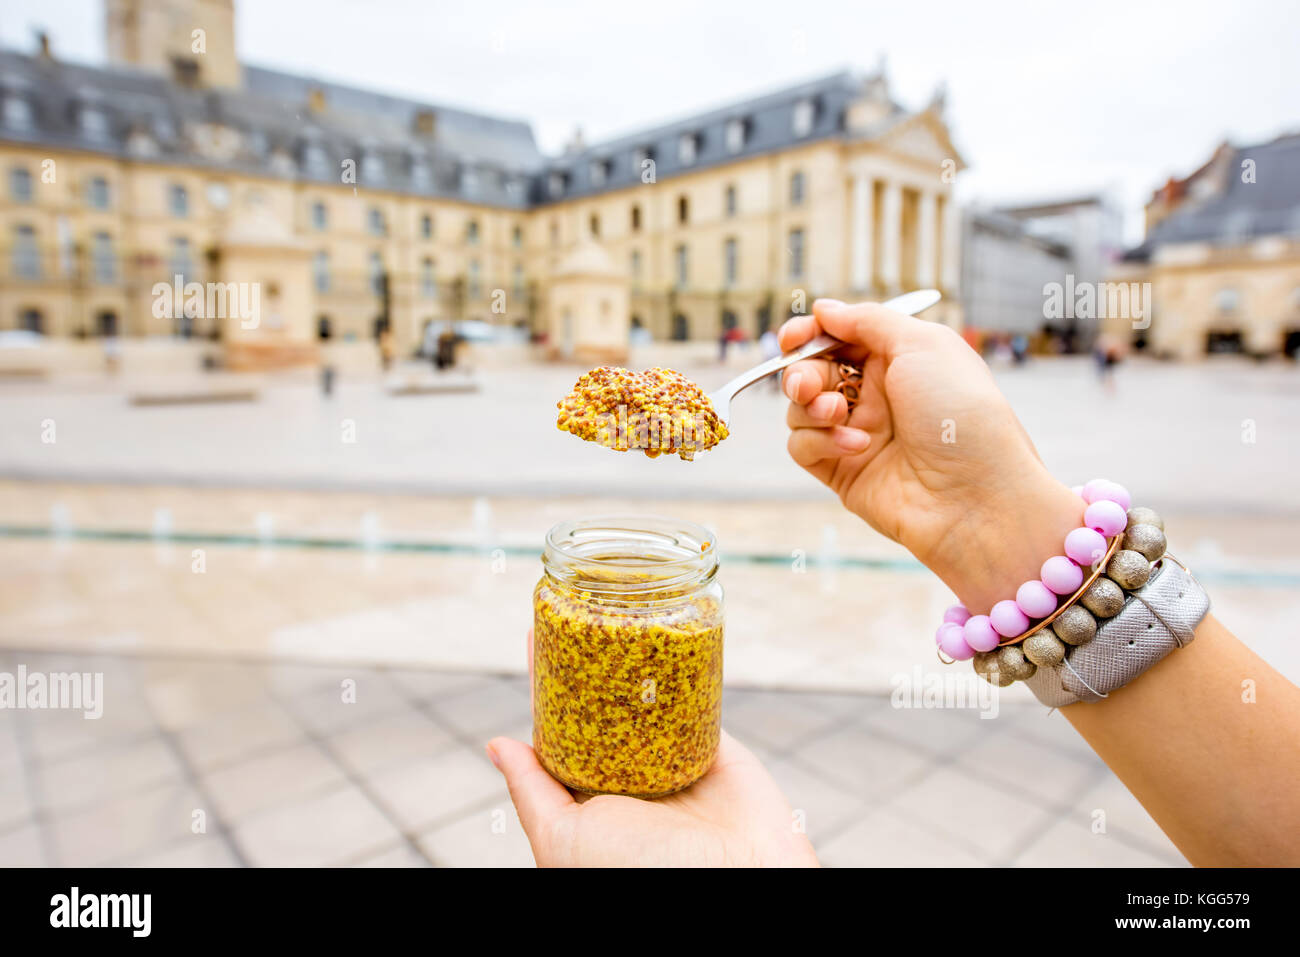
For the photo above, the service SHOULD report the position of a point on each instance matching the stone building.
(395, 213)
(1222, 254)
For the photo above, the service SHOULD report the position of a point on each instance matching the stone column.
(862, 222)
(891, 236)
(926, 251)
(951, 244)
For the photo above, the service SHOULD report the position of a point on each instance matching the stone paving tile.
(21, 847)
(426, 685)
(107, 773)
(937, 731)
(351, 703)
(197, 850)
(777, 720)
(990, 822)
(236, 735)
(399, 855)
(1126, 817)
(423, 792)
(821, 807)
(883, 838)
(277, 777)
(1036, 770)
(326, 830)
(1075, 845)
(402, 735)
(15, 798)
(125, 827)
(489, 837)
(863, 763)
(483, 712)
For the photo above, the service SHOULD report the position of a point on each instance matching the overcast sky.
(1045, 99)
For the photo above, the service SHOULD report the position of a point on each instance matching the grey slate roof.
(1240, 211)
(127, 112)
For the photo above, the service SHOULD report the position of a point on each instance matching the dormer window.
(599, 172)
(18, 112)
(178, 200)
(469, 181)
(805, 114)
(372, 167)
(688, 147)
(737, 135)
(555, 184)
(315, 161)
(639, 159)
(282, 163)
(93, 122)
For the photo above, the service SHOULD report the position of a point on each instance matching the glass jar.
(627, 655)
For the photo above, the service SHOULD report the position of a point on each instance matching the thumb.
(883, 331)
(537, 796)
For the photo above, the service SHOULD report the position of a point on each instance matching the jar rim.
(673, 552)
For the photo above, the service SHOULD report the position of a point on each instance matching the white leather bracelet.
(1156, 619)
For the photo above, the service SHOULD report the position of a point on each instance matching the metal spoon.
(910, 303)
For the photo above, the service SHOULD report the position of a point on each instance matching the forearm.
(1209, 741)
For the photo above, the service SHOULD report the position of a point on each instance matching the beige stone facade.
(863, 213)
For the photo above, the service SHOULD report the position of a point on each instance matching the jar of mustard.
(627, 655)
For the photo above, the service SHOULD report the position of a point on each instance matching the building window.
(375, 221)
(475, 279)
(796, 254)
(683, 272)
(636, 219)
(320, 217)
(103, 263)
(599, 173)
(26, 256)
(517, 237)
(180, 260)
(729, 201)
(323, 328)
(426, 226)
(555, 233)
(555, 184)
(737, 133)
(683, 209)
(688, 147)
(179, 200)
(377, 280)
(320, 270)
(98, 194)
(594, 224)
(106, 324)
(428, 280)
(805, 113)
(17, 112)
(729, 320)
(1227, 300)
(729, 262)
(639, 160)
(636, 264)
(681, 328)
(469, 181)
(31, 320)
(796, 188)
(518, 284)
(471, 232)
(20, 184)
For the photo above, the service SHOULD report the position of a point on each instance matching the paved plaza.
(228, 567)
(278, 770)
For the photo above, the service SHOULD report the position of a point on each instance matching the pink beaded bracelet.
(962, 634)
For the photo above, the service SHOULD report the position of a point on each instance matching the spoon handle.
(813, 347)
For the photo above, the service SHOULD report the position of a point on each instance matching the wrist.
(1004, 538)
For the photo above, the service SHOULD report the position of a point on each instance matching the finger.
(810, 446)
(827, 409)
(795, 331)
(868, 324)
(537, 796)
(806, 379)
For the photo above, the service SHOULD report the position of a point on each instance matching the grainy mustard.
(655, 411)
(627, 686)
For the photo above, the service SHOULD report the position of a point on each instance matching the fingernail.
(493, 757)
(851, 440)
(792, 386)
(826, 405)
